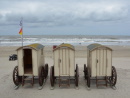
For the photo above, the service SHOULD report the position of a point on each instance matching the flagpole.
(21, 24)
(22, 32)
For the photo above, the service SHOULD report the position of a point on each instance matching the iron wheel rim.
(88, 77)
(113, 78)
(46, 70)
(85, 76)
(41, 76)
(77, 76)
(52, 76)
(16, 76)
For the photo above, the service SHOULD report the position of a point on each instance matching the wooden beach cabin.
(31, 63)
(64, 67)
(99, 65)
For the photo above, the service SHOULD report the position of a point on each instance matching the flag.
(21, 32)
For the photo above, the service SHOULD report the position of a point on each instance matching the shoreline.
(75, 40)
(80, 51)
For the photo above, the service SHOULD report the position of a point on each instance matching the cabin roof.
(65, 45)
(35, 46)
(94, 46)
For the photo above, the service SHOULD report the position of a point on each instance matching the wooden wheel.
(85, 71)
(77, 76)
(52, 79)
(16, 78)
(88, 77)
(41, 76)
(113, 78)
(46, 70)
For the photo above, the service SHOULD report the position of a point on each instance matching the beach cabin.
(99, 65)
(31, 63)
(64, 67)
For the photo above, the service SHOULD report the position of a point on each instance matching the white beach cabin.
(99, 60)
(64, 63)
(31, 63)
(30, 59)
(99, 63)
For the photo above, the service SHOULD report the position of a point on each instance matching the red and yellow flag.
(21, 32)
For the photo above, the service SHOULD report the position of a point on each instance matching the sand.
(121, 60)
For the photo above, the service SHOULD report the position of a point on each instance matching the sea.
(16, 40)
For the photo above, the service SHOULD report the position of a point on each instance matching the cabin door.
(27, 61)
(101, 62)
(64, 61)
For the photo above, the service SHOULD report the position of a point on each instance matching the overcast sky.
(64, 17)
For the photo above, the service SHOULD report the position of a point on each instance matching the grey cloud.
(54, 13)
(0, 16)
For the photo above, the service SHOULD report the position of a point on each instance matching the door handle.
(59, 60)
(97, 61)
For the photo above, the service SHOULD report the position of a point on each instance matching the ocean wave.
(14, 41)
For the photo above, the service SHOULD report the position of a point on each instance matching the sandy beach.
(80, 23)
(121, 60)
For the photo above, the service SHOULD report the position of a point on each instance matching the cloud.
(41, 13)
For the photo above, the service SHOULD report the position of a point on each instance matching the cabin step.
(29, 79)
(64, 81)
(101, 82)
(101, 85)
